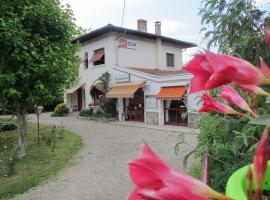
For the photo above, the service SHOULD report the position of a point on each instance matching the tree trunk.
(21, 118)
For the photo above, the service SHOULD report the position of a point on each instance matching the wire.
(123, 13)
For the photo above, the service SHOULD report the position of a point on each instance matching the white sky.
(179, 18)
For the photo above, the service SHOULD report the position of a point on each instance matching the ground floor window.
(134, 107)
(175, 112)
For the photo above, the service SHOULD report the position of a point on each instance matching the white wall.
(90, 75)
(143, 56)
(176, 51)
(146, 53)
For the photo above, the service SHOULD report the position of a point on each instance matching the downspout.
(117, 46)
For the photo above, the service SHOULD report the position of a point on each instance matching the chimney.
(158, 28)
(142, 25)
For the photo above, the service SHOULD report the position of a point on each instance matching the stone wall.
(194, 120)
(152, 118)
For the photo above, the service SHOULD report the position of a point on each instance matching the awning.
(73, 89)
(125, 90)
(171, 93)
(99, 86)
(97, 55)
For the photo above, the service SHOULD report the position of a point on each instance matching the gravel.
(101, 169)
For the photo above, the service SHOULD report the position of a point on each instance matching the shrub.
(86, 113)
(7, 126)
(60, 110)
(109, 107)
(10, 158)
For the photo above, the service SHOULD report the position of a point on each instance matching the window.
(170, 60)
(85, 60)
(98, 57)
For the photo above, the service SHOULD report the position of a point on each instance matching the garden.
(43, 160)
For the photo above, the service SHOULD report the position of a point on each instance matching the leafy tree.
(37, 57)
(235, 27)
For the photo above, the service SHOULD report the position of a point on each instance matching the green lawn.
(40, 163)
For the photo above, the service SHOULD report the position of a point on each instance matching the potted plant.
(236, 185)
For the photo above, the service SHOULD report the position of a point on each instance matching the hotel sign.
(128, 44)
(122, 78)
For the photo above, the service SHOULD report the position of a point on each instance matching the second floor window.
(98, 57)
(85, 60)
(170, 60)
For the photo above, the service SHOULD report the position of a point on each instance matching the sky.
(179, 18)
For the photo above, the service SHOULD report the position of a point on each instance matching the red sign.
(123, 43)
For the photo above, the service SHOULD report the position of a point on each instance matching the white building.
(147, 80)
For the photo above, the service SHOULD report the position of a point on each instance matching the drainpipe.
(116, 44)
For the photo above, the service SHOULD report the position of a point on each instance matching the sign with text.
(122, 78)
(125, 43)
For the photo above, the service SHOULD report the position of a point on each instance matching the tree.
(235, 27)
(37, 57)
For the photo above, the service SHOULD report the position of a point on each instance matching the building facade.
(146, 75)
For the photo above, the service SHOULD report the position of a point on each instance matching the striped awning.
(73, 89)
(97, 55)
(171, 93)
(125, 90)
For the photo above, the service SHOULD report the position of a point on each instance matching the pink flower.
(211, 70)
(264, 68)
(254, 89)
(211, 104)
(229, 94)
(260, 161)
(155, 180)
(267, 36)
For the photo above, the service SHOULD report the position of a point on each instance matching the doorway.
(134, 108)
(175, 113)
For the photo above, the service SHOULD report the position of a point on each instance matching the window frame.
(96, 63)
(167, 60)
(85, 62)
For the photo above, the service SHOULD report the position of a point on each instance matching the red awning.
(171, 93)
(97, 56)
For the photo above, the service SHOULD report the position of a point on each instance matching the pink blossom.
(253, 89)
(211, 70)
(229, 94)
(155, 180)
(211, 104)
(260, 161)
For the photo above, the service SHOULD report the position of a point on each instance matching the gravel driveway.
(100, 171)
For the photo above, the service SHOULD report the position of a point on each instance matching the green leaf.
(261, 120)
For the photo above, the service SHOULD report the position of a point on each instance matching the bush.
(7, 126)
(60, 110)
(109, 107)
(230, 142)
(86, 113)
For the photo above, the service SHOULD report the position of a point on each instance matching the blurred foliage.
(60, 110)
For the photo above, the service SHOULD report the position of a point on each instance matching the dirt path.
(100, 171)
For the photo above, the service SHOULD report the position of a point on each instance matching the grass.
(40, 163)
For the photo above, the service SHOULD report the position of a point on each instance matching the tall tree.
(235, 27)
(37, 57)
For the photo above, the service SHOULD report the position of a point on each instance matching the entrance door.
(79, 99)
(175, 113)
(134, 108)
